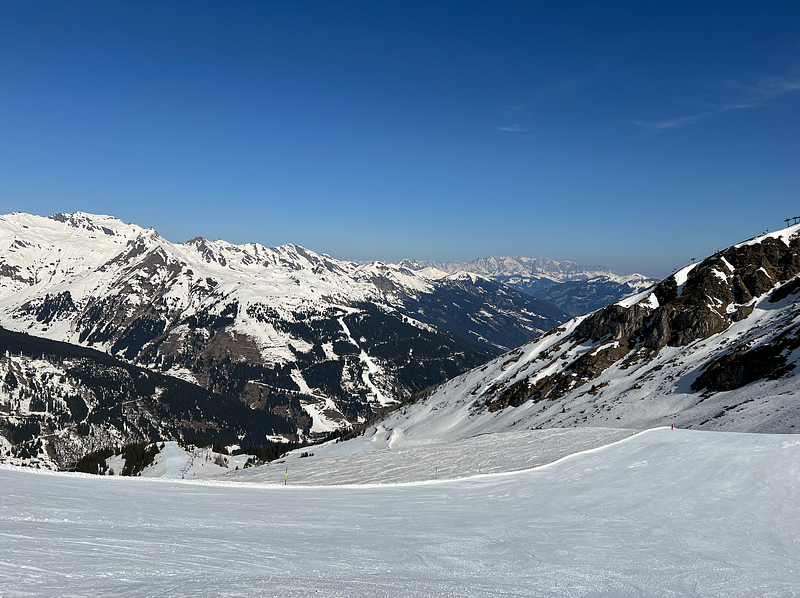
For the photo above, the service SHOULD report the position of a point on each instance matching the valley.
(312, 344)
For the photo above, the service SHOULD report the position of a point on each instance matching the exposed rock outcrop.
(715, 326)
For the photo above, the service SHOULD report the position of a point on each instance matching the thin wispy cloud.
(663, 125)
(513, 129)
(524, 107)
(572, 83)
(765, 90)
(749, 96)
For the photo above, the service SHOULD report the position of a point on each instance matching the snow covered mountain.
(714, 346)
(573, 287)
(538, 267)
(257, 323)
(60, 402)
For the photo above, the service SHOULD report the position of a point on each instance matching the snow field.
(390, 457)
(662, 514)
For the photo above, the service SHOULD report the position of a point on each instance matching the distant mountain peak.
(575, 288)
(541, 267)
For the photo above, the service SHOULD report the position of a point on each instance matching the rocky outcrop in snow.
(713, 346)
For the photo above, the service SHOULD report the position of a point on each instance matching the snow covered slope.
(60, 402)
(660, 515)
(714, 346)
(573, 287)
(394, 458)
(252, 321)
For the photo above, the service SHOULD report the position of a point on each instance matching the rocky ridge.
(714, 346)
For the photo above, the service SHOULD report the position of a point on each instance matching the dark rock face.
(716, 293)
(699, 309)
(675, 327)
(51, 307)
(741, 313)
(14, 273)
(790, 288)
(743, 366)
(761, 266)
(614, 323)
(579, 372)
(740, 290)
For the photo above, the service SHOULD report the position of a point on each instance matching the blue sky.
(634, 135)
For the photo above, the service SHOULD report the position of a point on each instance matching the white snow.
(176, 463)
(533, 268)
(681, 276)
(651, 301)
(721, 275)
(319, 408)
(171, 462)
(645, 298)
(784, 235)
(662, 514)
(297, 378)
(396, 455)
(372, 370)
(729, 265)
(611, 345)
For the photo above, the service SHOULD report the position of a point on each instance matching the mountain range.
(573, 287)
(316, 343)
(459, 491)
(112, 335)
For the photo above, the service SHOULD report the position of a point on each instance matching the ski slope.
(390, 457)
(663, 513)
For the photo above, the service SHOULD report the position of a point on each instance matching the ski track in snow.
(662, 514)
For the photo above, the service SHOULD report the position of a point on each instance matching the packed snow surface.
(394, 456)
(663, 513)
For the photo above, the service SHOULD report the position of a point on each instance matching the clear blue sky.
(635, 135)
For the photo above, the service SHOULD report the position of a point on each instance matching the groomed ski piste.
(659, 513)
